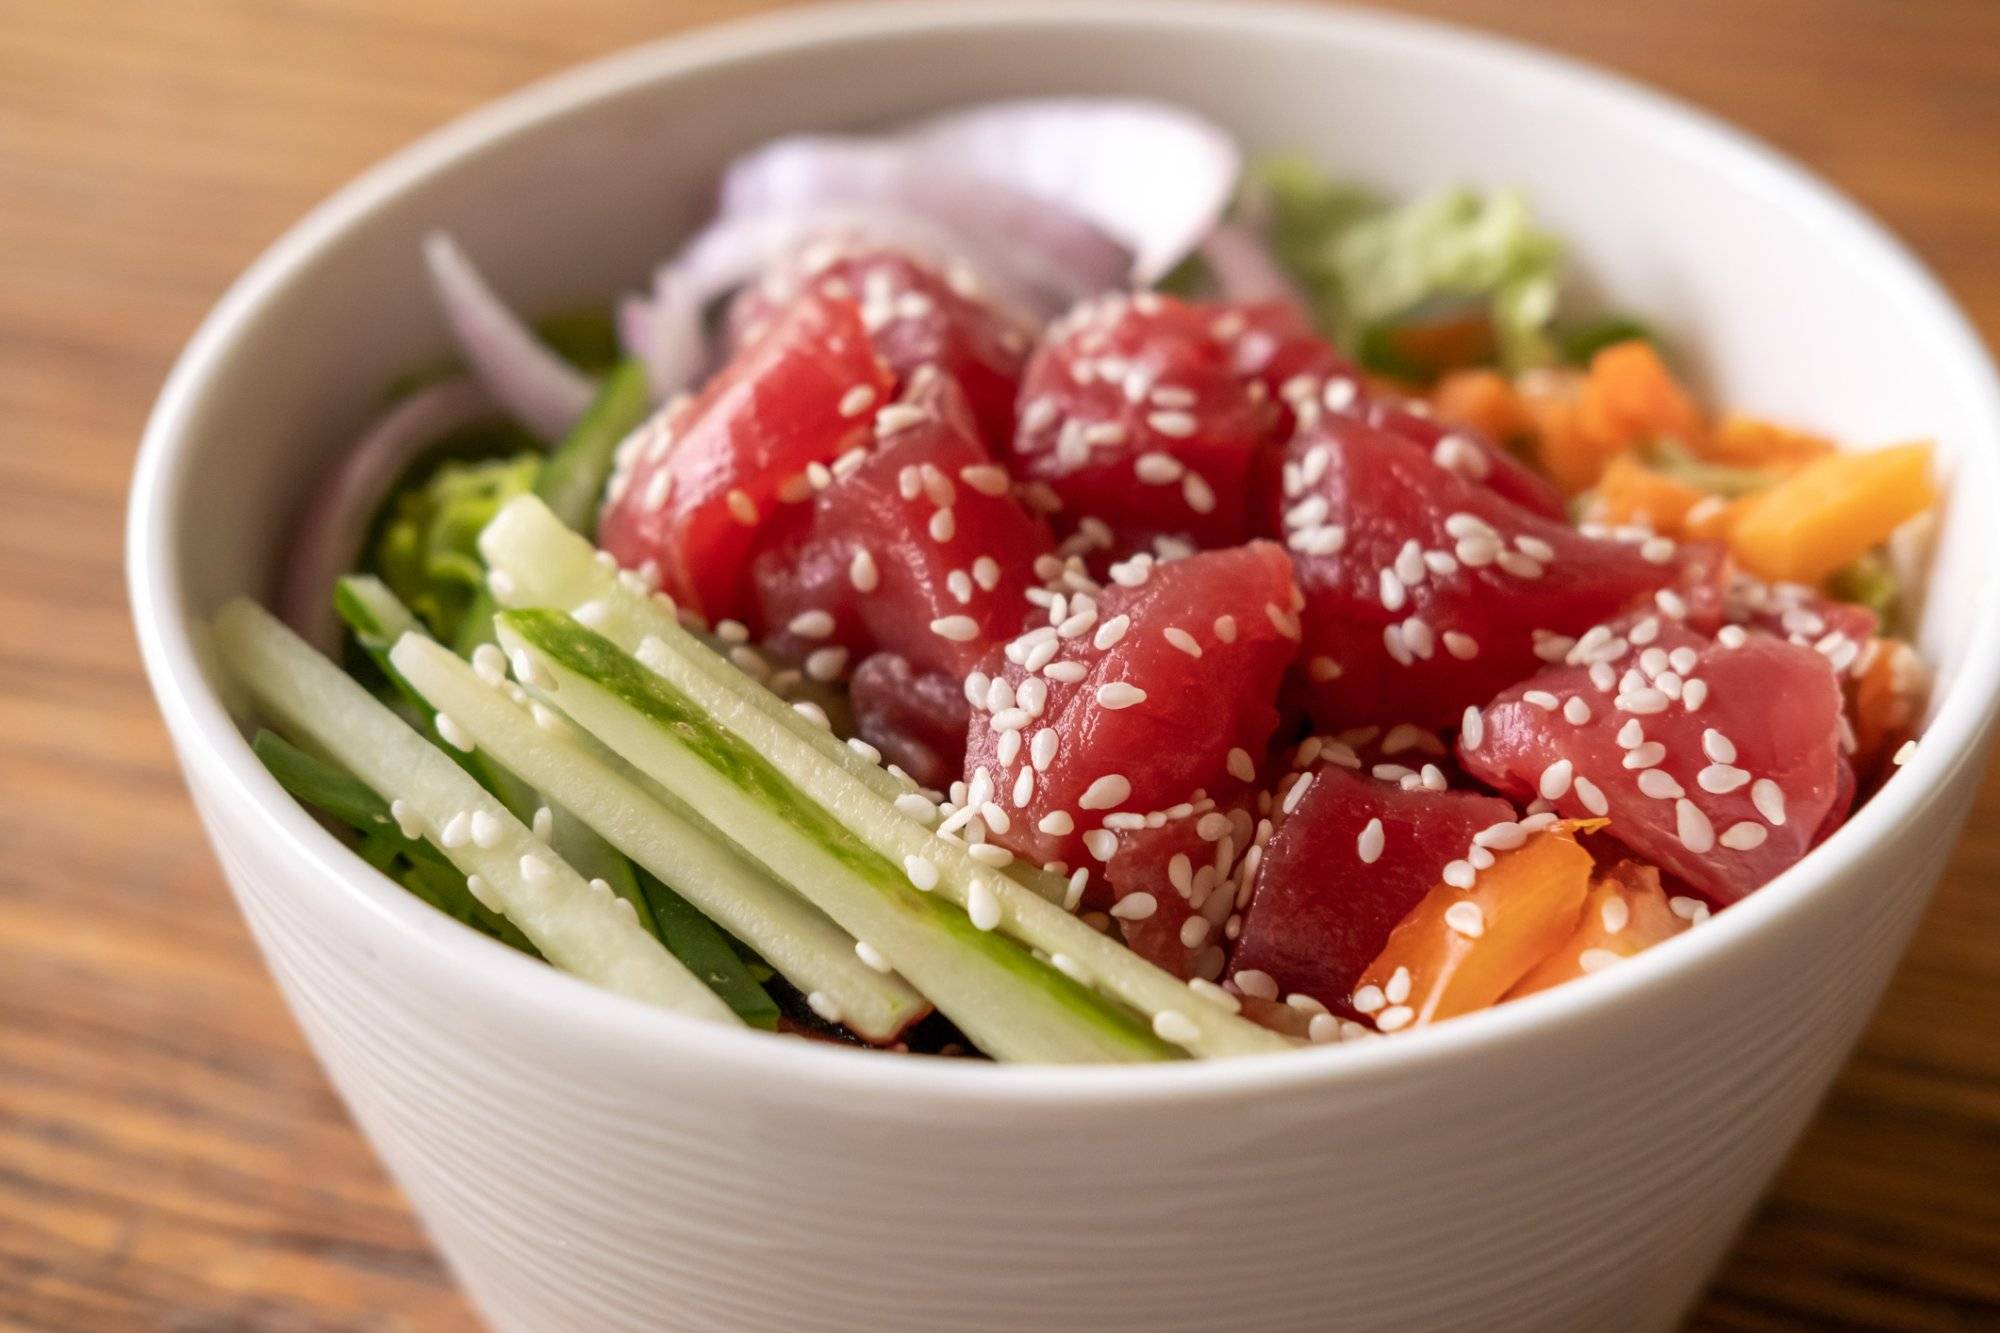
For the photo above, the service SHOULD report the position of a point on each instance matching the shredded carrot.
(1747, 441)
(1462, 949)
(1485, 401)
(1884, 701)
(1831, 511)
(1631, 492)
(1626, 913)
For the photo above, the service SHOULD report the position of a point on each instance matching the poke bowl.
(1406, 1132)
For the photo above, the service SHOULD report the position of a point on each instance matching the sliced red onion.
(1041, 248)
(1153, 177)
(536, 386)
(1243, 270)
(344, 499)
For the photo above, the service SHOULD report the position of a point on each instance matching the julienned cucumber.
(547, 565)
(378, 618)
(319, 784)
(1012, 1006)
(792, 935)
(576, 927)
(1179, 1013)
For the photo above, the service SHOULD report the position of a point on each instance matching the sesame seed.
(1576, 711)
(1106, 793)
(1721, 778)
(1904, 753)
(1462, 646)
(1645, 754)
(1466, 918)
(1369, 845)
(1135, 907)
(1769, 800)
(453, 734)
(1596, 960)
(871, 957)
(1392, 592)
(1657, 550)
(1367, 1000)
(824, 1005)
(982, 905)
(1194, 931)
(535, 870)
(1541, 699)
(741, 507)
(922, 873)
(1593, 799)
(1200, 496)
(1732, 636)
(1696, 833)
(1158, 469)
(548, 720)
(958, 629)
(1119, 694)
(917, 806)
(1743, 836)
(1174, 424)
(857, 400)
(1175, 1026)
(1504, 836)
(486, 829)
(1472, 728)
(1694, 694)
(1615, 915)
(456, 831)
(1225, 628)
(988, 479)
(943, 527)
(811, 624)
(1644, 701)
(1110, 632)
(1660, 785)
(1042, 749)
(408, 822)
(1395, 1018)
(1460, 874)
(1554, 784)
(1182, 640)
(1296, 793)
(1241, 767)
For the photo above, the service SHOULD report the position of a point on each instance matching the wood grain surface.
(170, 1157)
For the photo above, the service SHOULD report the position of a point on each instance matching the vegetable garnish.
(1011, 587)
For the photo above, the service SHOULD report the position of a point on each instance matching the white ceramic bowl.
(1579, 1160)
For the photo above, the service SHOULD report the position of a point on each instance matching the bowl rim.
(210, 740)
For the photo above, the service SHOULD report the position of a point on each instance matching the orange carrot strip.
(1626, 913)
(1830, 511)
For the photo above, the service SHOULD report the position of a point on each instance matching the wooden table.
(170, 1157)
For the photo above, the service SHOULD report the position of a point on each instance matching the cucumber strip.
(574, 926)
(328, 789)
(1008, 1003)
(547, 565)
(1179, 1014)
(573, 478)
(794, 936)
(709, 954)
(378, 619)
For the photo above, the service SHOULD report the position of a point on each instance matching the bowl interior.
(1782, 299)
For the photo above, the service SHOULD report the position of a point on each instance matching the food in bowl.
(1081, 601)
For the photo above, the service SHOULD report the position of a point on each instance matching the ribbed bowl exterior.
(1577, 1161)
(1587, 1180)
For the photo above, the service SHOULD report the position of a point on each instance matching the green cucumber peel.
(1008, 1003)
(573, 478)
(658, 832)
(508, 869)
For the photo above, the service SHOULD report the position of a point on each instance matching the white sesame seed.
(486, 830)
(1646, 754)
(408, 822)
(1732, 636)
(982, 905)
(1466, 918)
(1472, 728)
(861, 572)
(917, 806)
(1596, 960)
(1158, 469)
(1904, 753)
(457, 830)
(1110, 632)
(1194, 931)
(1718, 746)
(1615, 915)
(1462, 646)
(1241, 766)
(1576, 711)
(1460, 874)
(1696, 833)
(1392, 592)
(857, 400)
(811, 624)
(741, 507)
(1769, 800)
(1106, 793)
(1643, 701)
(1743, 836)
(453, 734)
(1369, 845)
(1541, 699)
(1660, 785)
(1135, 907)
(1395, 1018)
(958, 629)
(1182, 640)
(1175, 1026)
(1504, 836)
(1593, 799)
(1119, 694)
(1721, 778)
(1176, 425)
(943, 527)
(535, 870)
(1555, 780)
(922, 873)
